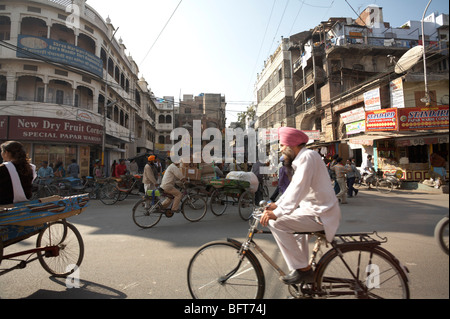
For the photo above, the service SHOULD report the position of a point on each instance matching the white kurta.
(308, 204)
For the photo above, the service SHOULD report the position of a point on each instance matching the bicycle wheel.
(441, 234)
(146, 215)
(219, 202)
(384, 186)
(109, 194)
(216, 271)
(369, 272)
(246, 205)
(70, 248)
(194, 208)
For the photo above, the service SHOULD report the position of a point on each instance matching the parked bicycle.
(356, 266)
(118, 189)
(383, 185)
(148, 211)
(441, 234)
(43, 187)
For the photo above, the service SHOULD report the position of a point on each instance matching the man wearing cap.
(150, 174)
(309, 204)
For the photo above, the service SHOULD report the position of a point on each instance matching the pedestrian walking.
(352, 175)
(341, 172)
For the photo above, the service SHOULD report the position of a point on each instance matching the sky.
(219, 46)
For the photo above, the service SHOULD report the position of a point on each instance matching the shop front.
(413, 134)
(55, 140)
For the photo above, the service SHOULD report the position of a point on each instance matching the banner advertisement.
(355, 127)
(32, 47)
(396, 90)
(372, 100)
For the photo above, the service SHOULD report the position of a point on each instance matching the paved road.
(124, 262)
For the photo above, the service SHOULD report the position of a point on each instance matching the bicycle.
(43, 187)
(383, 185)
(355, 266)
(118, 189)
(148, 211)
(441, 234)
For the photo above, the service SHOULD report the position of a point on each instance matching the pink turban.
(290, 136)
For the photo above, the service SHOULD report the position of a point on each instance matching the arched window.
(162, 119)
(168, 119)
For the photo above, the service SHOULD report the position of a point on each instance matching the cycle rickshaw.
(232, 192)
(59, 245)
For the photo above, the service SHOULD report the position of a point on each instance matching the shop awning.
(366, 139)
(402, 138)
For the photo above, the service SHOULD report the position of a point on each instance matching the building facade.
(68, 89)
(344, 72)
(274, 89)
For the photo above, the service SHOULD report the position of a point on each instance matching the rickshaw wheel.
(65, 248)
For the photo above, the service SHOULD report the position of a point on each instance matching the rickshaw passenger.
(16, 174)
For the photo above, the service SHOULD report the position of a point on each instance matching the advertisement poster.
(356, 127)
(396, 90)
(372, 100)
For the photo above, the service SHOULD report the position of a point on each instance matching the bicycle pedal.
(169, 214)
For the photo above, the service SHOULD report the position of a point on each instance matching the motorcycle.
(395, 178)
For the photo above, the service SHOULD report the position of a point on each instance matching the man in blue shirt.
(45, 172)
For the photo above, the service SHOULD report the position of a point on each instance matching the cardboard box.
(207, 169)
(192, 174)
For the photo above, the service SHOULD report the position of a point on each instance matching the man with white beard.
(309, 204)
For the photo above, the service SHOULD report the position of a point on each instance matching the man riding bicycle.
(171, 176)
(309, 204)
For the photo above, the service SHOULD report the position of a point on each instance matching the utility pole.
(427, 94)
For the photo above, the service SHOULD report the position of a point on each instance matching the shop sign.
(353, 115)
(422, 140)
(382, 120)
(372, 100)
(54, 130)
(396, 90)
(313, 135)
(355, 127)
(423, 118)
(3, 127)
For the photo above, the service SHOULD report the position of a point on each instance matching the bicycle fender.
(234, 242)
